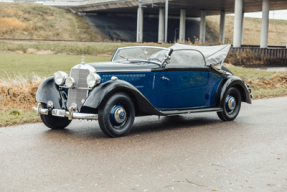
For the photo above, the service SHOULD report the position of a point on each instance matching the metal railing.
(269, 52)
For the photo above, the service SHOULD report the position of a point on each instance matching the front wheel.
(230, 104)
(117, 115)
(55, 122)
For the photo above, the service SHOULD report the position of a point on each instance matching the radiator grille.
(77, 95)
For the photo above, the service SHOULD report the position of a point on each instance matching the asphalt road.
(196, 152)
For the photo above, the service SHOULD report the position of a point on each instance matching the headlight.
(60, 77)
(70, 82)
(93, 79)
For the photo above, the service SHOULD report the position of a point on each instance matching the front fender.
(48, 91)
(233, 81)
(99, 95)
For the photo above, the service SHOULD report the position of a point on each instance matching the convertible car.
(140, 81)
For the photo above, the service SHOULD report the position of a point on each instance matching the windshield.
(140, 54)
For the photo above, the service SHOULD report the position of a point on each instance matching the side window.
(185, 59)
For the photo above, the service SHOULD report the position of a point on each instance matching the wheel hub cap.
(120, 115)
(230, 103)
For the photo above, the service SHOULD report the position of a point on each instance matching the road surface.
(196, 152)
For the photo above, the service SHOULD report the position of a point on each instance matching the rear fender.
(233, 81)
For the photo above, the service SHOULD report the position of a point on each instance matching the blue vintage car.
(140, 81)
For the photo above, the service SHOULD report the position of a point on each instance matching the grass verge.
(69, 48)
(10, 118)
(270, 93)
(12, 65)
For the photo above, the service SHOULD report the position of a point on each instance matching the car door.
(184, 81)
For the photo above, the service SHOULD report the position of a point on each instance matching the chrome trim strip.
(174, 112)
(87, 116)
(153, 82)
(77, 88)
(128, 71)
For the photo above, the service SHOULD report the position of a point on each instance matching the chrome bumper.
(70, 114)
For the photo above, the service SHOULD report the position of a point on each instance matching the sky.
(281, 14)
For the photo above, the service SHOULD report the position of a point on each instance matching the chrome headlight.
(60, 77)
(70, 82)
(93, 79)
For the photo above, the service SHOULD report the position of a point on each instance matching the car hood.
(112, 66)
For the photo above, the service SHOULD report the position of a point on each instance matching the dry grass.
(8, 25)
(248, 57)
(252, 30)
(34, 21)
(18, 92)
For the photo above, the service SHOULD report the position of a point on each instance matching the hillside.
(252, 30)
(34, 21)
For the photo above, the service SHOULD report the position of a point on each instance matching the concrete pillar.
(242, 28)
(265, 23)
(161, 26)
(140, 25)
(182, 25)
(222, 27)
(166, 20)
(238, 23)
(202, 32)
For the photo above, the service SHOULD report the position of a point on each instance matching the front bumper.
(70, 114)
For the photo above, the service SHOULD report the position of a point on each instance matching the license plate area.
(250, 91)
(59, 113)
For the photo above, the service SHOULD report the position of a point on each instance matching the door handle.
(165, 78)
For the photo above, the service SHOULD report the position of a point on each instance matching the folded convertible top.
(212, 54)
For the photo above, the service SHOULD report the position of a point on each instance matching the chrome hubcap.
(120, 115)
(230, 103)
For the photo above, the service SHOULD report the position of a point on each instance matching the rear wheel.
(231, 104)
(55, 122)
(117, 115)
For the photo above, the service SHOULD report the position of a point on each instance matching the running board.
(187, 111)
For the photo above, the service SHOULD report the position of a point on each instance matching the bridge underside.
(165, 9)
(194, 7)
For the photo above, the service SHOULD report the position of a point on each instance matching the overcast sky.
(282, 14)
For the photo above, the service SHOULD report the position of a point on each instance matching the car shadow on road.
(173, 123)
(142, 126)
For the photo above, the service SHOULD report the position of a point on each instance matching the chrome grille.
(77, 95)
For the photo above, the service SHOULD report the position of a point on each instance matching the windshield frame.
(116, 54)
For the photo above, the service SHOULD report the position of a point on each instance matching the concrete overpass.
(183, 9)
